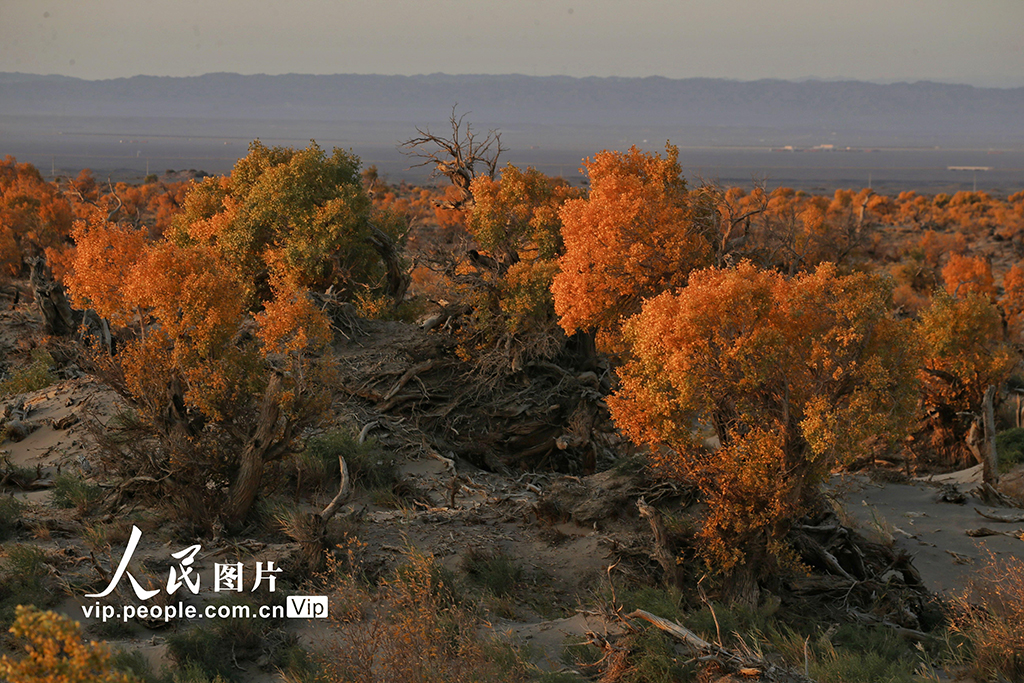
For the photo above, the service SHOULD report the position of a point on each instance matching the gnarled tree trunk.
(250, 472)
(51, 300)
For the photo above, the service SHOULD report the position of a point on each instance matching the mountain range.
(737, 112)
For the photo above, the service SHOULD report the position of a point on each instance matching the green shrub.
(209, 649)
(38, 374)
(22, 573)
(494, 571)
(10, 511)
(1010, 447)
(72, 491)
(368, 465)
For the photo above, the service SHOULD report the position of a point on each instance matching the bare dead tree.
(456, 157)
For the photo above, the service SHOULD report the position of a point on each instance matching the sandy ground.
(933, 532)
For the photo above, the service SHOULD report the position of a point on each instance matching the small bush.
(1010, 447)
(21, 581)
(851, 653)
(71, 491)
(102, 537)
(494, 571)
(10, 512)
(297, 666)
(413, 629)
(368, 465)
(38, 374)
(210, 648)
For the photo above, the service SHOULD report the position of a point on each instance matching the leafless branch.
(456, 157)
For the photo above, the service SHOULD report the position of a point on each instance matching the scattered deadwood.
(389, 400)
(982, 532)
(22, 478)
(853, 573)
(745, 663)
(498, 415)
(960, 559)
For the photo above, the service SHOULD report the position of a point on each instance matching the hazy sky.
(980, 42)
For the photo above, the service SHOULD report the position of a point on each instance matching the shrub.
(211, 648)
(493, 570)
(10, 511)
(224, 359)
(72, 491)
(368, 465)
(795, 376)
(639, 233)
(22, 581)
(1010, 447)
(412, 629)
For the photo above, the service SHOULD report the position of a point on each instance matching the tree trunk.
(398, 278)
(742, 583)
(250, 472)
(991, 457)
(51, 300)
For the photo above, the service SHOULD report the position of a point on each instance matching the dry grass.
(991, 618)
(412, 628)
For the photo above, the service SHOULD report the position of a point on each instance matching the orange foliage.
(1012, 302)
(636, 235)
(33, 216)
(964, 274)
(56, 653)
(794, 376)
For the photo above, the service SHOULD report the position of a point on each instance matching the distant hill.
(899, 113)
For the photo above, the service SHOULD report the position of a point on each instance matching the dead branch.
(367, 428)
(99, 568)
(344, 489)
(456, 157)
(907, 633)
(1005, 518)
(406, 377)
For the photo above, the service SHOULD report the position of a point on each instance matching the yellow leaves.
(964, 349)
(56, 653)
(519, 213)
(187, 307)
